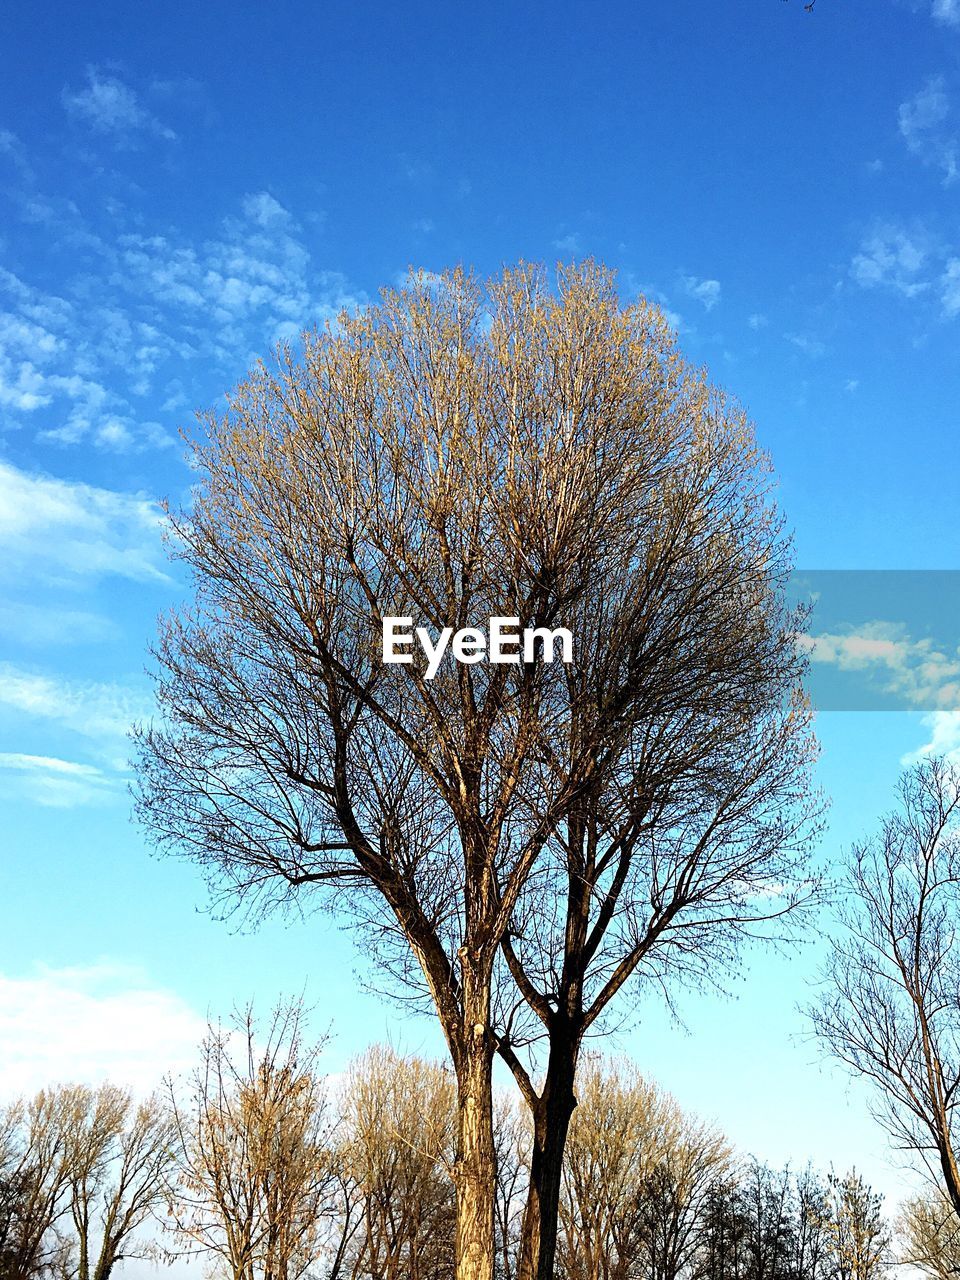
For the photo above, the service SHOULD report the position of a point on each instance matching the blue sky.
(179, 189)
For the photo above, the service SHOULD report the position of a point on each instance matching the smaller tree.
(81, 1170)
(253, 1177)
(636, 1178)
(118, 1153)
(930, 1233)
(400, 1120)
(860, 1239)
(890, 1011)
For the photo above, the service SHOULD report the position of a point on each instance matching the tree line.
(258, 1166)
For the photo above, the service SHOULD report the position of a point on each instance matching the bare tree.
(400, 1122)
(690, 836)
(930, 1232)
(252, 1181)
(81, 1171)
(512, 1139)
(118, 1154)
(455, 455)
(860, 1236)
(813, 1238)
(637, 1175)
(36, 1180)
(890, 1010)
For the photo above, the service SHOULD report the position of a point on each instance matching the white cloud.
(757, 321)
(810, 346)
(156, 303)
(946, 11)
(925, 129)
(705, 291)
(950, 288)
(52, 528)
(96, 710)
(51, 782)
(917, 671)
(944, 740)
(110, 107)
(92, 1023)
(892, 258)
(39, 625)
(569, 243)
(249, 286)
(264, 210)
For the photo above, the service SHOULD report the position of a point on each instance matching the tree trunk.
(475, 1171)
(551, 1123)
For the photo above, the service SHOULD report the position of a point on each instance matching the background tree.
(81, 1171)
(889, 1010)
(769, 1240)
(813, 1237)
(451, 455)
(930, 1234)
(118, 1154)
(252, 1182)
(36, 1182)
(512, 1140)
(637, 1174)
(860, 1238)
(399, 1133)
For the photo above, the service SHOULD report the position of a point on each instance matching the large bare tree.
(889, 1009)
(454, 454)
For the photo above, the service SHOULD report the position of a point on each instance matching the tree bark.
(475, 1171)
(551, 1123)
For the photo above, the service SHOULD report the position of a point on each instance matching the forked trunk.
(551, 1124)
(475, 1172)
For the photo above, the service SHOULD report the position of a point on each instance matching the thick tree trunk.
(476, 1155)
(551, 1123)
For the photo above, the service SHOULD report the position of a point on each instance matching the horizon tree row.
(254, 1166)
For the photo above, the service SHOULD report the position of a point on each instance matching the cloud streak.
(111, 108)
(57, 530)
(51, 782)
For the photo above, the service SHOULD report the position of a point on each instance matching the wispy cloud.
(805, 342)
(90, 1023)
(925, 127)
(910, 262)
(944, 737)
(39, 626)
(946, 11)
(706, 292)
(57, 530)
(950, 288)
(79, 365)
(53, 783)
(100, 711)
(110, 107)
(893, 258)
(569, 243)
